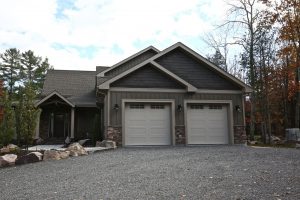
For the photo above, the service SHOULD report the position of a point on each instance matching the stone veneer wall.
(240, 136)
(180, 135)
(114, 134)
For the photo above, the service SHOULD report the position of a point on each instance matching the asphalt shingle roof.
(76, 86)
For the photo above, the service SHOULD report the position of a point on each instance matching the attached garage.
(207, 124)
(147, 124)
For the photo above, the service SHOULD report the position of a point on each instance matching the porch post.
(72, 121)
(37, 126)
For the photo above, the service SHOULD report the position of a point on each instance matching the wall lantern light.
(116, 107)
(238, 108)
(179, 108)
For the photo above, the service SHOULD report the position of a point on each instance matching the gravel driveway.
(207, 172)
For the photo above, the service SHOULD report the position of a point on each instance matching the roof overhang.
(53, 94)
(102, 74)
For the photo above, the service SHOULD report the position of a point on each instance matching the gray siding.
(131, 63)
(148, 77)
(194, 72)
(116, 98)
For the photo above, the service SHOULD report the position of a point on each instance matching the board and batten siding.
(194, 71)
(116, 98)
(131, 63)
(148, 77)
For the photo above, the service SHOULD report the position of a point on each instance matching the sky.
(82, 34)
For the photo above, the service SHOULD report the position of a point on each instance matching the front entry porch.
(59, 119)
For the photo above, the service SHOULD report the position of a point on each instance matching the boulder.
(12, 147)
(64, 154)
(76, 150)
(29, 158)
(4, 150)
(51, 155)
(38, 154)
(106, 143)
(8, 160)
(82, 142)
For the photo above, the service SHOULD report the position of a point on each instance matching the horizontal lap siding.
(116, 98)
(194, 72)
(147, 77)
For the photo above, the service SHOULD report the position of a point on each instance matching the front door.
(59, 121)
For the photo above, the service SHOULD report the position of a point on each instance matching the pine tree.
(7, 124)
(10, 68)
(34, 70)
(28, 114)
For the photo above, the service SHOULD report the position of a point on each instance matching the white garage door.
(207, 124)
(147, 124)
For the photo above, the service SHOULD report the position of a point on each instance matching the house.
(169, 97)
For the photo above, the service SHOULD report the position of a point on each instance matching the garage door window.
(215, 107)
(196, 106)
(137, 106)
(157, 106)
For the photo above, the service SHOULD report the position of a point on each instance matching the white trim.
(244, 112)
(52, 94)
(37, 126)
(72, 122)
(229, 113)
(120, 89)
(108, 108)
(102, 74)
(106, 85)
(190, 87)
(167, 101)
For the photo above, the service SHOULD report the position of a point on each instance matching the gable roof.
(69, 82)
(101, 74)
(106, 83)
(51, 95)
(78, 87)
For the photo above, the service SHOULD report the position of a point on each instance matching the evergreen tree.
(7, 124)
(28, 114)
(34, 70)
(10, 68)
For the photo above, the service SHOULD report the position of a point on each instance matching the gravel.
(203, 172)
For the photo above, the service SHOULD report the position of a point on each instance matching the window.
(215, 107)
(196, 106)
(157, 106)
(136, 106)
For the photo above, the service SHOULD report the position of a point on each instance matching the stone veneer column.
(180, 138)
(240, 136)
(114, 134)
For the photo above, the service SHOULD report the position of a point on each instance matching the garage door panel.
(207, 124)
(148, 126)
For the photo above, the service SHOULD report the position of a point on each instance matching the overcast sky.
(81, 34)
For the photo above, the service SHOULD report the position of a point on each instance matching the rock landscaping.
(13, 155)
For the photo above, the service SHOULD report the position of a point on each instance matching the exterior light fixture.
(179, 108)
(116, 107)
(238, 108)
